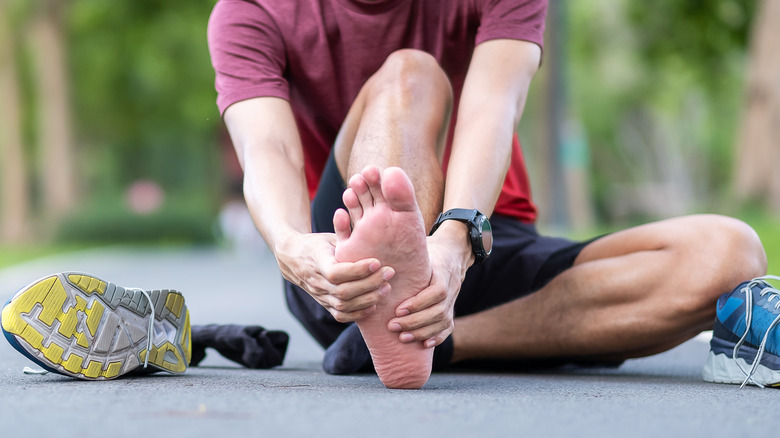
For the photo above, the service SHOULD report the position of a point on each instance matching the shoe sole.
(722, 368)
(81, 326)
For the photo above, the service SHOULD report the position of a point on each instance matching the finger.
(352, 203)
(436, 340)
(437, 327)
(341, 225)
(360, 302)
(426, 298)
(359, 186)
(342, 272)
(351, 290)
(373, 180)
(433, 315)
(352, 316)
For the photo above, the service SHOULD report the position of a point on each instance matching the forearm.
(491, 104)
(270, 152)
(276, 195)
(480, 157)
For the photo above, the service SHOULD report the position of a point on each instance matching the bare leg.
(630, 294)
(389, 226)
(399, 118)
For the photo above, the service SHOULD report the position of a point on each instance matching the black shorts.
(521, 263)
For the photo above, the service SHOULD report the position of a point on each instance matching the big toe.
(398, 190)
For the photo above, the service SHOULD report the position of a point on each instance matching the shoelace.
(149, 336)
(748, 290)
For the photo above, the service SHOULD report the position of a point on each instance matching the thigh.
(521, 263)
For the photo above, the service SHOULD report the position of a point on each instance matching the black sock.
(250, 346)
(349, 354)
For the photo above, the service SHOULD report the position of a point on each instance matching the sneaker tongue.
(766, 296)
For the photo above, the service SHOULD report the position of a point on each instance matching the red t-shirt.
(317, 54)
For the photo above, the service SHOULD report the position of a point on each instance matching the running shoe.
(78, 325)
(745, 346)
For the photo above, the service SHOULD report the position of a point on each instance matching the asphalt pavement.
(662, 395)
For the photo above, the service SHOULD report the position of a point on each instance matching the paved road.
(657, 396)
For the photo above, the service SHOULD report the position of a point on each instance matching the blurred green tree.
(14, 197)
(33, 43)
(96, 95)
(657, 86)
(48, 51)
(758, 145)
(144, 94)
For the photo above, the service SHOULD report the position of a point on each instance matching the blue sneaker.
(81, 326)
(745, 346)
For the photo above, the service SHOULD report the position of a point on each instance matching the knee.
(729, 252)
(740, 254)
(410, 75)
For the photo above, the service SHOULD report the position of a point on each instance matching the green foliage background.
(677, 67)
(637, 72)
(143, 105)
(143, 92)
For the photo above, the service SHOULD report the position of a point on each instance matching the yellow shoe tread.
(94, 315)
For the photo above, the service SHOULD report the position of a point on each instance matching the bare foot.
(388, 225)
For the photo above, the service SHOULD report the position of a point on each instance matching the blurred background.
(109, 132)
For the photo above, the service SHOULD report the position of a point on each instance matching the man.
(408, 108)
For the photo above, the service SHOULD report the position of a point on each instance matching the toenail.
(394, 327)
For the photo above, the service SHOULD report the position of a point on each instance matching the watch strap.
(458, 214)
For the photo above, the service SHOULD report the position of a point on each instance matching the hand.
(349, 291)
(428, 317)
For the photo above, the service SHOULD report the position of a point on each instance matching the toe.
(373, 180)
(398, 190)
(353, 205)
(361, 189)
(341, 225)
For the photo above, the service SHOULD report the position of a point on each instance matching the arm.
(491, 105)
(269, 149)
(490, 108)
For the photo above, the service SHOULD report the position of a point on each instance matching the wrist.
(455, 235)
(479, 231)
(293, 252)
(285, 243)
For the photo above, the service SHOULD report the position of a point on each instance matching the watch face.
(487, 235)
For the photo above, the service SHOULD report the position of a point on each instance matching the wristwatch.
(480, 232)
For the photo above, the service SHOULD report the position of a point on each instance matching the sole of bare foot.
(388, 226)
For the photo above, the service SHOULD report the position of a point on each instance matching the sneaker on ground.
(81, 326)
(745, 346)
